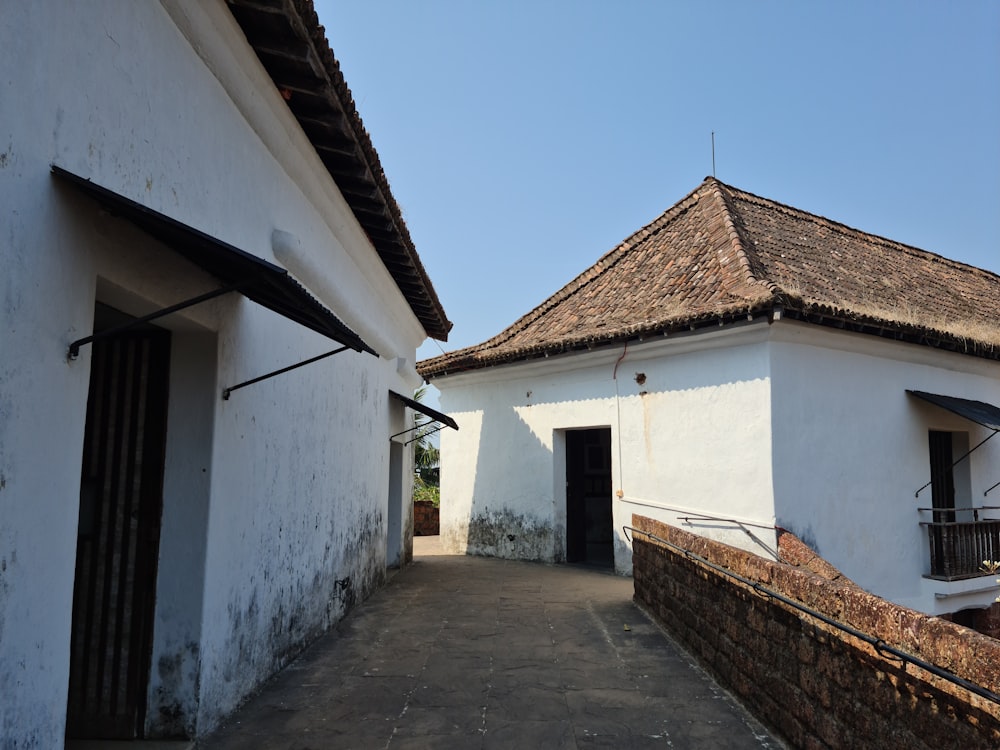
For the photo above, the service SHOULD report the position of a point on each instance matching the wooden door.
(942, 474)
(942, 498)
(589, 522)
(118, 536)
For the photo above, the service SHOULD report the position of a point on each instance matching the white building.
(735, 366)
(153, 154)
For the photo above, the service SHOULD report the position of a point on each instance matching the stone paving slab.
(467, 652)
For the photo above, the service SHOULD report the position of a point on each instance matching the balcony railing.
(958, 548)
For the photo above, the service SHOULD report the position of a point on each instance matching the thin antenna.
(713, 153)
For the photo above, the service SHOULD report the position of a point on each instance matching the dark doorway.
(589, 524)
(121, 500)
(394, 531)
(942, 474)
(942, 498)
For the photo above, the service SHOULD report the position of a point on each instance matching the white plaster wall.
(176, 658)
(498, 471)
(849, 447)
(697, 439)
(284, 495)
(345, 253)
(850, 451)
(700, 437)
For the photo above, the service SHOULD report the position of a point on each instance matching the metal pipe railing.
(880, 646)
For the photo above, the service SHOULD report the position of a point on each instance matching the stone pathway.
(466, 652)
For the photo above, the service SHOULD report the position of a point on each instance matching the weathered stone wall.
(426, 518)
(988, 620)
(816, 685)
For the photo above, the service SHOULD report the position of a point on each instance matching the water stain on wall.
(270, 628)
(511, 535)
(173, 706)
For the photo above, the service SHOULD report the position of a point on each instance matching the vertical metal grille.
(120, 504)
(942, 496)
(942, 474)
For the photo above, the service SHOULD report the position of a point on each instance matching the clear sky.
(523, 140)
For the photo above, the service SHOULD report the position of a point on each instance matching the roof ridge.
(597, 269)
(843, 228)
(754, 273)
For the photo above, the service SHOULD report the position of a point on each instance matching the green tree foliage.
(426, 458)
(426, 492)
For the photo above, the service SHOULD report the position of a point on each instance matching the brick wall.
(426, 518)
(815, 685)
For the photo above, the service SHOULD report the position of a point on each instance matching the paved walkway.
(466, 652)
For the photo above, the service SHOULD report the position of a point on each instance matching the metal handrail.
(741, 524)
(953, 511)
(959, 510)
(880, 646)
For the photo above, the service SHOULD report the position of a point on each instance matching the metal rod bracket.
(74, 348)
(422, 435)
(227, 391)
(967, 454)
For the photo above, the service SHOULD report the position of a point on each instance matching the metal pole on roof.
(713, 153)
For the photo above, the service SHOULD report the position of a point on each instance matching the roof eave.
(813, 314)
(292, 46)
(844, 319)
(450, 364)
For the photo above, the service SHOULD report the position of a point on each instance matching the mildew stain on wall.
(504, 533)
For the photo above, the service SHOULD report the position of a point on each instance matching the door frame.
(588, 462)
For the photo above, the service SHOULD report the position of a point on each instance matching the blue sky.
(523, 140)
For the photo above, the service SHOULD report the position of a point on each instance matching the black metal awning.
(979, 412)
(255, 278)
(427, 411)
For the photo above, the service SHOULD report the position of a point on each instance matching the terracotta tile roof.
(721, 254)
(292, 46)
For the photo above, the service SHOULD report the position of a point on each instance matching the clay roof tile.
(720, 254)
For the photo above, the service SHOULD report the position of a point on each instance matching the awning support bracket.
(74, 348)
(991, 488)
(282, 371)
(422, 435)
(441, 419)
(419, 427)
(967, 454)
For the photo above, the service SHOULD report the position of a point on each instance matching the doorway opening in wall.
(942, 475)
(951, 492)
(589, 520)
(121, 502)
(394, 525)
